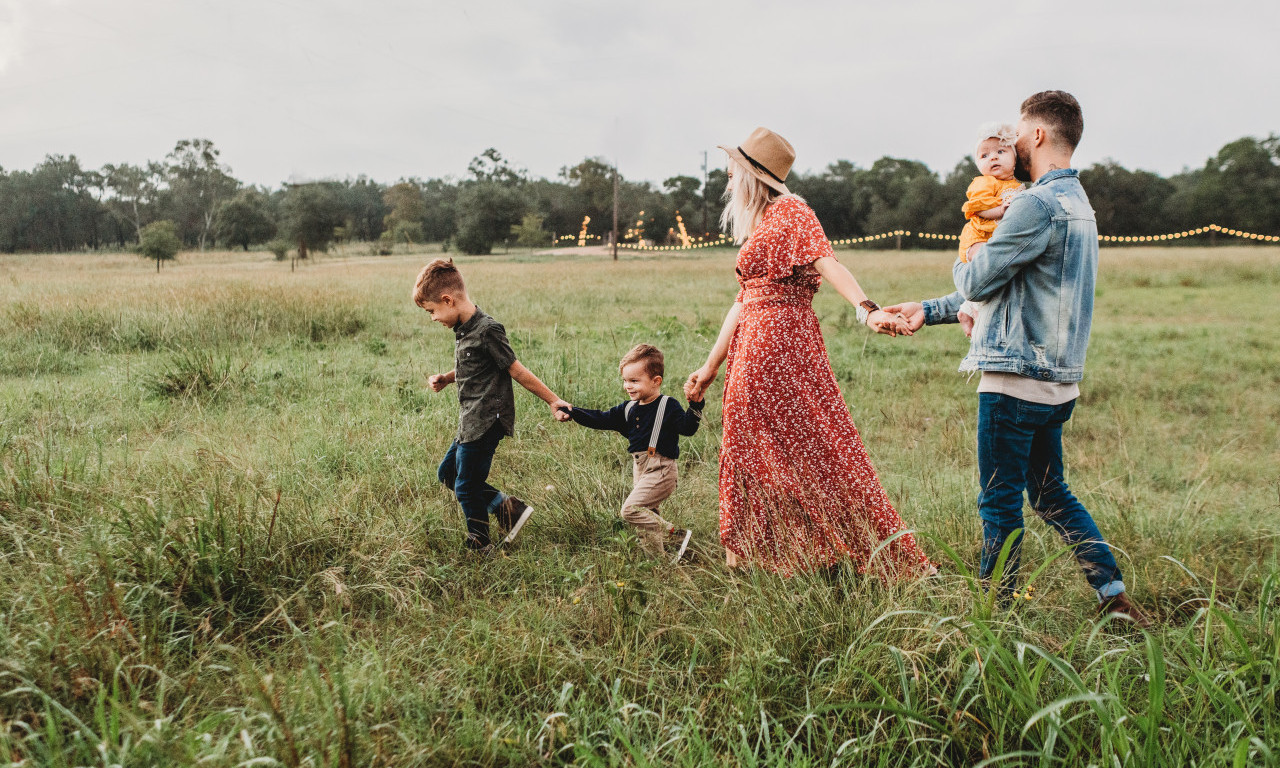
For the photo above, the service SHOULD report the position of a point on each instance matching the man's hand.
(889, 323)
(439, 381)
(913, 311)
(560, 409)
(966, 323)
(698, 382)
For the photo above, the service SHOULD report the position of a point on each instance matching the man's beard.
(1021, 166)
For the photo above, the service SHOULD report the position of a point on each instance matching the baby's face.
(995, 159)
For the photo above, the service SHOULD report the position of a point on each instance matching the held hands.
(912, 312)
(889, 323)
(560, 410)
(698, 382)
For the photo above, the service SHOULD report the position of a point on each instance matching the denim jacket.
(1036, 276)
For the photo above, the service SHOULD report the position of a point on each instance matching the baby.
(989, 196)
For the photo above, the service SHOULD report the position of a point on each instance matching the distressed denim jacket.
(1036, 276)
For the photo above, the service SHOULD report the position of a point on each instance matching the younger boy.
(651, 422)
(484, 365)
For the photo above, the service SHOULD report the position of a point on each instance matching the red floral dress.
(797, 491)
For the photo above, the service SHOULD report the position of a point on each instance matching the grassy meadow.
(222, 541)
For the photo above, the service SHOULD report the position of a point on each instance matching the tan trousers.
(654, 479)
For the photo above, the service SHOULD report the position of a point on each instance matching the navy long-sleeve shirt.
(639, 427)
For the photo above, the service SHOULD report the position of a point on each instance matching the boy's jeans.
(464, 471)
(1020, 448)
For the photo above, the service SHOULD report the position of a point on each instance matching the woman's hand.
(894, 324)
(698, 382)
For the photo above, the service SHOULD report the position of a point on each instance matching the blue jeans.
(465, 471)
(1020, 448)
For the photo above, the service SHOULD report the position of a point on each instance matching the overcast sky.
(395, 88)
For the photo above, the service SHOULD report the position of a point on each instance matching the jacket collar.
(1056, 173)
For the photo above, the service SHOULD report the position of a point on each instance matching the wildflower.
(619, 584)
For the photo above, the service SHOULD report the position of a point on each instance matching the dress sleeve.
(797, 240)
(984, 194)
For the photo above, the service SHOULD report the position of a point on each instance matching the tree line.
(191, 199)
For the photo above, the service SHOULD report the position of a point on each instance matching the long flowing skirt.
(797, 491)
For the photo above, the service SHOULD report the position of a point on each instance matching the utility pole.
(706, 228)
(615, 210)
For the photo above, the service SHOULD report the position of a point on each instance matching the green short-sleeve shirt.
(481, 360)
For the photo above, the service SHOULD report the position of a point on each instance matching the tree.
(159, 241)
(199, 184)
(487, 211)
(529, 231)
(132, 192)
(491, 166)
(408, 211)
(246, 219)
(440, 199)
(684, 193)
(309, 215)
(364, 208)
(1127, 202)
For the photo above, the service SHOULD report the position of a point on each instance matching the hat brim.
(768, 180)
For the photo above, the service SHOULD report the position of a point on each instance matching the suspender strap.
(657, 424)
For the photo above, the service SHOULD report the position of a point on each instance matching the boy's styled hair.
(436, 279)
(650, 355)
(1060, 111)
(1003, 132)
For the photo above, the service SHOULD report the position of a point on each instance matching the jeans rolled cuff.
(1110, 590)
(501, 497)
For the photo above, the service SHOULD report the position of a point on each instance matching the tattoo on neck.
(1053, 167)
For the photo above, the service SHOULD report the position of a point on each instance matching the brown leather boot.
(1126, 609)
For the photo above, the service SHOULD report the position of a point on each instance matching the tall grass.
(222, 541)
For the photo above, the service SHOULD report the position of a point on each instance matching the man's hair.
(650, 355)
(436, 279)
(1058, 110)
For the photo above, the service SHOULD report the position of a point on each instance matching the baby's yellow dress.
(985, 193)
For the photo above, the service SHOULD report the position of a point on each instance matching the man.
(1037, 276)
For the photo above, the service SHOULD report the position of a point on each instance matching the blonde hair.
(436, 279)
(650, 355)
(745, 197)
(1004, 132)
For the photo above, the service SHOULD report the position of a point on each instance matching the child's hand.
(439, 381)
(561, 410)
(966, 323)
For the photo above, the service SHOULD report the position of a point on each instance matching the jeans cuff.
(501, 497)
(1110, 590)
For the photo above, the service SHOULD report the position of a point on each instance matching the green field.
(222, 540)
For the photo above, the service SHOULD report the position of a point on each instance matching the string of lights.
(723, 240)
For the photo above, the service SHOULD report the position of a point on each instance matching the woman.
(797, 491)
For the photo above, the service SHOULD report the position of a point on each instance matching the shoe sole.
(684, 546)
(524, 518)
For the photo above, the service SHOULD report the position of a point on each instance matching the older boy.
(484, 367)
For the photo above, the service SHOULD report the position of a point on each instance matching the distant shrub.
(279, 247)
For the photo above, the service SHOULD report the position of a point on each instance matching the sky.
(307, 89)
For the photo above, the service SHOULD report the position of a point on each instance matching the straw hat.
(767, 155)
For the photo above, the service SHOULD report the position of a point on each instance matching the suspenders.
(657, 421)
